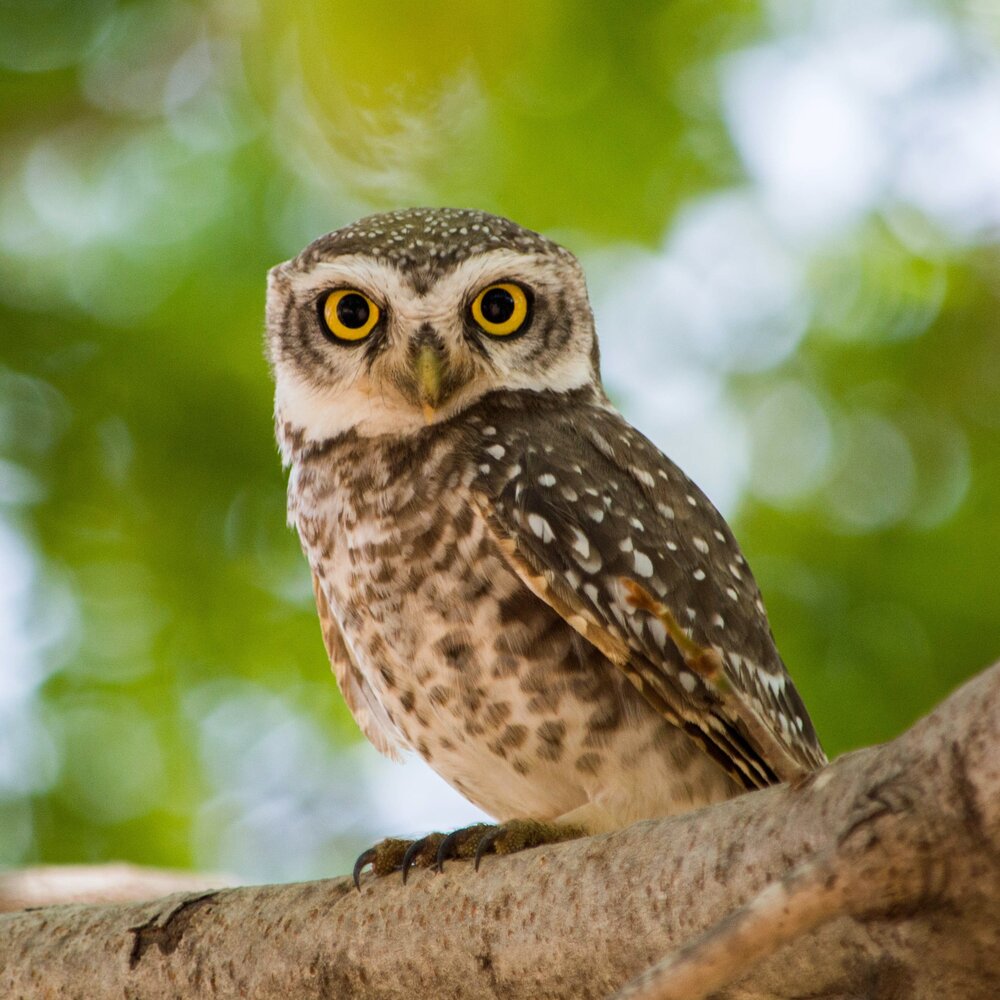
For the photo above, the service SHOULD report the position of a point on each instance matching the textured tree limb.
(878, 877)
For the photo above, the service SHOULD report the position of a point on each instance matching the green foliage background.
(162, 681)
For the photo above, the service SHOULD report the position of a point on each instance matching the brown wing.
(591, 504)
(368, 712)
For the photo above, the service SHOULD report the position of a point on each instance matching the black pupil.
(352, 311)
(497, 305)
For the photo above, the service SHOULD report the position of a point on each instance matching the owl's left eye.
(348, 314)
(501, 310)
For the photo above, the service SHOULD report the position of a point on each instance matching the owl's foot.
(469, 843)
(520, 834)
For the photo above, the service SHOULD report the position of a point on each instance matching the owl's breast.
(482, 678)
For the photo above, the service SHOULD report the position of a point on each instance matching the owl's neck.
(307, 421)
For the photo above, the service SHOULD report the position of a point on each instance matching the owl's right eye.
(347, 314)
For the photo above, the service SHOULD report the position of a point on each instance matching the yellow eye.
(348, 314)
(501, 310)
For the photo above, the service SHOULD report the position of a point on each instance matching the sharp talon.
(367, 857)
(444, 850)
(411, 852)
(485, 844)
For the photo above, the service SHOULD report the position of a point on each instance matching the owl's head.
(406, 318)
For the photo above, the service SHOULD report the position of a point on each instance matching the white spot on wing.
(496, 450)
(699, 574)
(546, 479)
(700, 544)
(658, 631)
(643, 564)
(642, 475)
(540, 527)
(588, 560)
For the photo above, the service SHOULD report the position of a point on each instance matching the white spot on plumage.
(718, 534)
(700, 544)
(774, 682)
(573, 578)
(759, 604)
(718, 621)
(699, 574)
(569, 494)
(626, 545)
(496, 450)
(546, 479)
(658, 631)
(672, 546)
(591, 591)
(489, 431)
(666, 510)
(688, 681)
(636, 523)
(731, 594)
(540, 527)
(588, 560)
(484, 469)
(691, 500)
(642, 475)
(643, 564)
(596, 513)
(691, 613)
(735, 571)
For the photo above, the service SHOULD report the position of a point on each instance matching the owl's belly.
(494, 690)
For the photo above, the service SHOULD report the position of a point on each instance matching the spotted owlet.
(512, 581)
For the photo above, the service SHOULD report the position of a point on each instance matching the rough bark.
(879, 877)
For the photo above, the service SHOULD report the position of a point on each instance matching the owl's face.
(405, 319)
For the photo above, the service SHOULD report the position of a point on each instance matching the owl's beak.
(428, 369)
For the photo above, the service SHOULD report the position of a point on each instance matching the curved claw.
(445, 849)
(485, 843)
(411, 853)
(365, 858)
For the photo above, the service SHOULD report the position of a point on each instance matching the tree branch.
(876, 877)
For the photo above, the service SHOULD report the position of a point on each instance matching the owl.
(512, 581)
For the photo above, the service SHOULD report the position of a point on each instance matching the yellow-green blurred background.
(790, 213)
